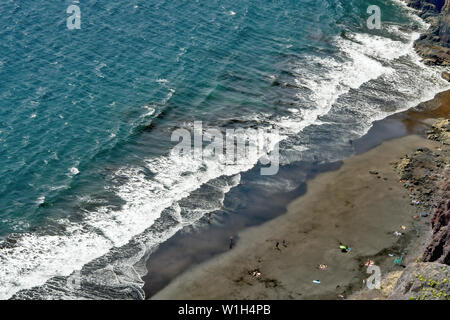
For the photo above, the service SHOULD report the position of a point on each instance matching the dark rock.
(276, 83)
(429, 173)
(427, 6)
(439, 248)
(434, 45)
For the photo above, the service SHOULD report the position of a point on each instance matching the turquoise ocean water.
(88, 180)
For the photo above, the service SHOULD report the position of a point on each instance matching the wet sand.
(348, 205)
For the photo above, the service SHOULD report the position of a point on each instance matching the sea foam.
(35, 258)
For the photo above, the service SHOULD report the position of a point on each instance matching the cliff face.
(434, 46)
(439, 248)
(427, 175)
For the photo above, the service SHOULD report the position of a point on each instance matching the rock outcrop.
(440, 131)
(434, 45)
(427, 8)
(439, 248)
(423, 281)
(426, 174)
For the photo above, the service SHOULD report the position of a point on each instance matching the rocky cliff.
(439, 248)
(427, 174)
(434, 45)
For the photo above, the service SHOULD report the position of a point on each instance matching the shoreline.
(434, 45)
(344, 210)
(412, 122)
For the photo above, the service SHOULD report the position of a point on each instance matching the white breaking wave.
(365, 54)
(36, 258)
(74, 171)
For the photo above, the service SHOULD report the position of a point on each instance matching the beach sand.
(350, 205)
(360, 205)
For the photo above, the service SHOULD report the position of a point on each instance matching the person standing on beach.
(231, 243)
